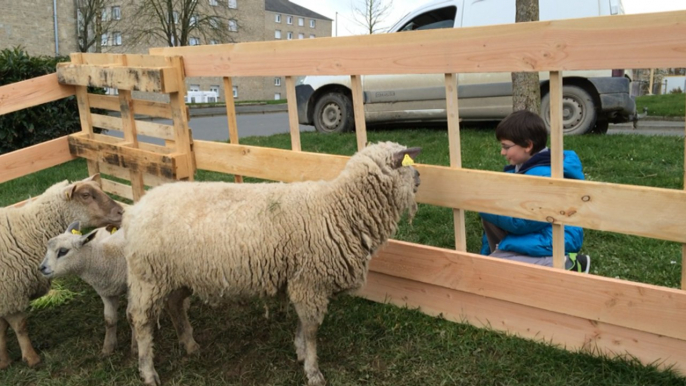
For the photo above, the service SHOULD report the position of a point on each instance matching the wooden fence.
(540, 303)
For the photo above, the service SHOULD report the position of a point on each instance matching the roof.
(285, 6)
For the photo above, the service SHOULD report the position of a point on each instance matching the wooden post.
(179, 112)
(85, 113)
(650, 83)
(293, 114)
(231, 116)
(683, 246)
(556, 170)
(358, 109)
(455, 153)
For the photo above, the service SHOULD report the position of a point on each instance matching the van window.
(438, 18)
(480, 13)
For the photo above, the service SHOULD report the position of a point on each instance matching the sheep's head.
(65, 253)
(91, 206)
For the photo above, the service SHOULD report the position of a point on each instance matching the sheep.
(308, 240)
(98, 259)
(23, 235)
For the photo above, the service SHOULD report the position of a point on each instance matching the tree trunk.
(526, 91)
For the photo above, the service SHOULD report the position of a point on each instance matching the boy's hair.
(522, 127)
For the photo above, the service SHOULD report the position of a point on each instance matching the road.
(215, 128)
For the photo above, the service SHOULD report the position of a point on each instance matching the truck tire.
(578, 110)
(333, 113)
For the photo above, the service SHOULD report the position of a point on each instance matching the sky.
(347, 26)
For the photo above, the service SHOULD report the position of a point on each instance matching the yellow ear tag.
(407, 160)
(114, 229)
(76, 232)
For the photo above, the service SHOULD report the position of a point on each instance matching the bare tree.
(94, 19)
(526, 89)
(181, 22)
(371, 14)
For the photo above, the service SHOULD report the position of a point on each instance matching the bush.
(40, 123)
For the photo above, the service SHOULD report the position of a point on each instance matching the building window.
(194, 87)
(313, 23)
(214, 88)
(176, 17)
(214, 23)
(213, 42)
(277, 34)
(301, 21)
(277, 96)
(111, 91)
(301, 36)
(193, 41)
(194, 20)
(289, 19)
(233, 25)
(233, 4)
(235, 91)
(312, 36)
(277, 81)
(116, 39)
(277, 18)
(104, 16)
(213, 2)
(289, 35)
(104, 39)
(116, 13)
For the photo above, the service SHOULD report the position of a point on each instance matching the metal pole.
(57, 36)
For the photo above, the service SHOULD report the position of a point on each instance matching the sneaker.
(580, 263)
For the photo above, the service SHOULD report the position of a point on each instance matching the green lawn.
(667, 105)
(360, 342)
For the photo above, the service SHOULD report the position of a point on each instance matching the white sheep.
(23, 235)
(308, 240)
(98, 259)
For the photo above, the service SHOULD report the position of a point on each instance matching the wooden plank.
(152, 129)
(556, 158)
(620, 41)
(455, 153)
(117, 188)
(293, 123)
(182, 136)
(119, 172)
(634, 210)
(622, 303)
(145, 79)
(570, 333)
(358, 111)
(85, 118)
(231, 117)
(138, 160)
(32, 92)
(142, 107)
(34, 158)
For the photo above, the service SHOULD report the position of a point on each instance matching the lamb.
(23, 235)
(308, 240)
(98, 259)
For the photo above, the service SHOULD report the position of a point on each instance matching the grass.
(667, 105)
(360, 342)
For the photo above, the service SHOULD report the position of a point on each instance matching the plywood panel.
(34, 158)
(32, 92)
(621, 41)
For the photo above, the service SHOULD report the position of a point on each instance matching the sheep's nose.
(44, 269)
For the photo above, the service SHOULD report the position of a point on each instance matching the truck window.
(438, 18)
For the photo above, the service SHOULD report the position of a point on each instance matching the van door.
(410, 97)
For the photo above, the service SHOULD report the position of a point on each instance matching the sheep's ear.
(75, 226)
(88, 238)
(95, 177)
(405, 157)
(69, 191)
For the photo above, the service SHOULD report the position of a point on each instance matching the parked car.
(591, 99)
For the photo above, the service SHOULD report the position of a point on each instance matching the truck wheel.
(333, 113)
(578, 110)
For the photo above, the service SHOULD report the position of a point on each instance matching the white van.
(592, 99)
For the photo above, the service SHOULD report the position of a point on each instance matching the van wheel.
(333, 113)
(578, 110)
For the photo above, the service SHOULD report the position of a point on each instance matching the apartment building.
(50, 27)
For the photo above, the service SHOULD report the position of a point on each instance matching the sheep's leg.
(4, 356)
(144, 302)
(177, 306)
(299, 342)
(111, 304)
(311, 316)
(19, 322)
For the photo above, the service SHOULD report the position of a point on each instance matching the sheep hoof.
(32, 361)
(192, 348)
(315, 379)
(106, 352)
(153, 379)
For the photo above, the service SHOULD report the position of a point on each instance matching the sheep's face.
(91, 206)
(402, 162)
(65, 252)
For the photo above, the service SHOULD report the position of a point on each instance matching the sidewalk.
(240, 109)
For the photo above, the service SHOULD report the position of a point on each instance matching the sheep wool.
(309, 240)
(23, 234)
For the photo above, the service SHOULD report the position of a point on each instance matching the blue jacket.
(535, 238)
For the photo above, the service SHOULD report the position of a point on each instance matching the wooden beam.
(122, 173)
(455, 153)
(556, 158)
(32, 92)
(117, 188)
(162, 80)
(635, 210)
(231, 117)
(34, 158)
(619, 41)
(293, 123)
(358, 111)
(182, 136)
(152, 129)
(85, 113)
(142, 107)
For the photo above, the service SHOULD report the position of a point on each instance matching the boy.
(523, 138)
